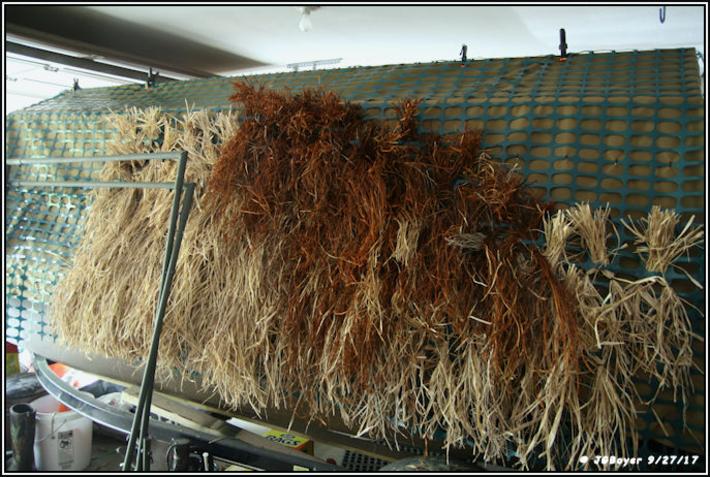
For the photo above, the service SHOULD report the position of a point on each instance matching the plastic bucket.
(62, 437)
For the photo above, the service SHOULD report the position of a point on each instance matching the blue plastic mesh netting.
(618, 128)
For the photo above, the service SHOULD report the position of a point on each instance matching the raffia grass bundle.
(641, 328)
(406, 274)
(591, 227)
(335, 266)
(116, 270)
(657, 239)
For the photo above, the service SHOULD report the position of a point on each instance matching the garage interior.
(355, 238)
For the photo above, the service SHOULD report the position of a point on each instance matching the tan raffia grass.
(640, 328)
(658, 240)
(122, 249)
(557, 230)
(591, 227)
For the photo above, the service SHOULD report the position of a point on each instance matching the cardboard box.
(289, 439)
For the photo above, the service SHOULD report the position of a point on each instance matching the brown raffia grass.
(335, 266)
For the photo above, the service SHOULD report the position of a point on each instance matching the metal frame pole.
(148, 156)
(166, 277)
(149, 374)
(95, 184)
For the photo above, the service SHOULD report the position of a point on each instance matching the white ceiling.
(29, 81)
(375, 35)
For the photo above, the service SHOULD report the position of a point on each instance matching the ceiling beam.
(83, 63)
(84, 31)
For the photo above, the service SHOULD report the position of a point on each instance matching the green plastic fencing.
(625, 129)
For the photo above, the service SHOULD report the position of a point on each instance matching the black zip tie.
(563, 44)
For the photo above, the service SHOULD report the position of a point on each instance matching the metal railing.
(179, 213)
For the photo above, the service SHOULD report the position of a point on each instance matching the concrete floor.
(106, 453)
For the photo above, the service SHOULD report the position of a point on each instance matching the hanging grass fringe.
(335, 266)
(641, 328)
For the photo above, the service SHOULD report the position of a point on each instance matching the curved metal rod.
(119, 420)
